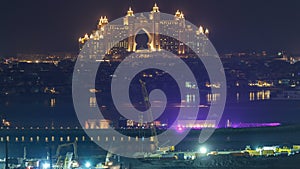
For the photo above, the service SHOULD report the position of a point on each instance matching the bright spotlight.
(203, 150)
(46, 165)
(87, 164)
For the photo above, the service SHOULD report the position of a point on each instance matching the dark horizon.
(55, 26)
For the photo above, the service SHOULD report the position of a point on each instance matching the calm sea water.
(242, 107)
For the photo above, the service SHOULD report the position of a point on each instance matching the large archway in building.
(142, 40)
(142, 29)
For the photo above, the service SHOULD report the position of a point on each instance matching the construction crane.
(163, 148)
(150, 116)
(74, 144)
(68, 160)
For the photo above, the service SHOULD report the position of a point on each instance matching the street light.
(87, 164)
(46, 165)
(203, 150)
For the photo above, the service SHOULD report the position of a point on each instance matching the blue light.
(46, 165)
(87, 164)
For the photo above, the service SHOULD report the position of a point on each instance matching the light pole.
(6, 153)
(6, 124)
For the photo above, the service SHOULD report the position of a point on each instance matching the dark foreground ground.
(222, 139)
(222, 162)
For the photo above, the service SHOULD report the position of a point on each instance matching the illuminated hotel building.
(151, 25)
(97, 124)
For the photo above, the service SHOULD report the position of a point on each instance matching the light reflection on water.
(209, 97)
(238, 96)
(260, 95)
(241, 106)
(93, 102)
(212, 97)
(52, 102)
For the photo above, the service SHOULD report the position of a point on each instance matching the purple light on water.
(250, 125)
(179, 128)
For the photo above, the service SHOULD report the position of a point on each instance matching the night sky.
(236, 25)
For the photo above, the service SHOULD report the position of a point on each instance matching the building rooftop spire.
(206, 31)
(155, 8)
(177, 14)
(181, 15)
(201, 30)
(130, 12)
